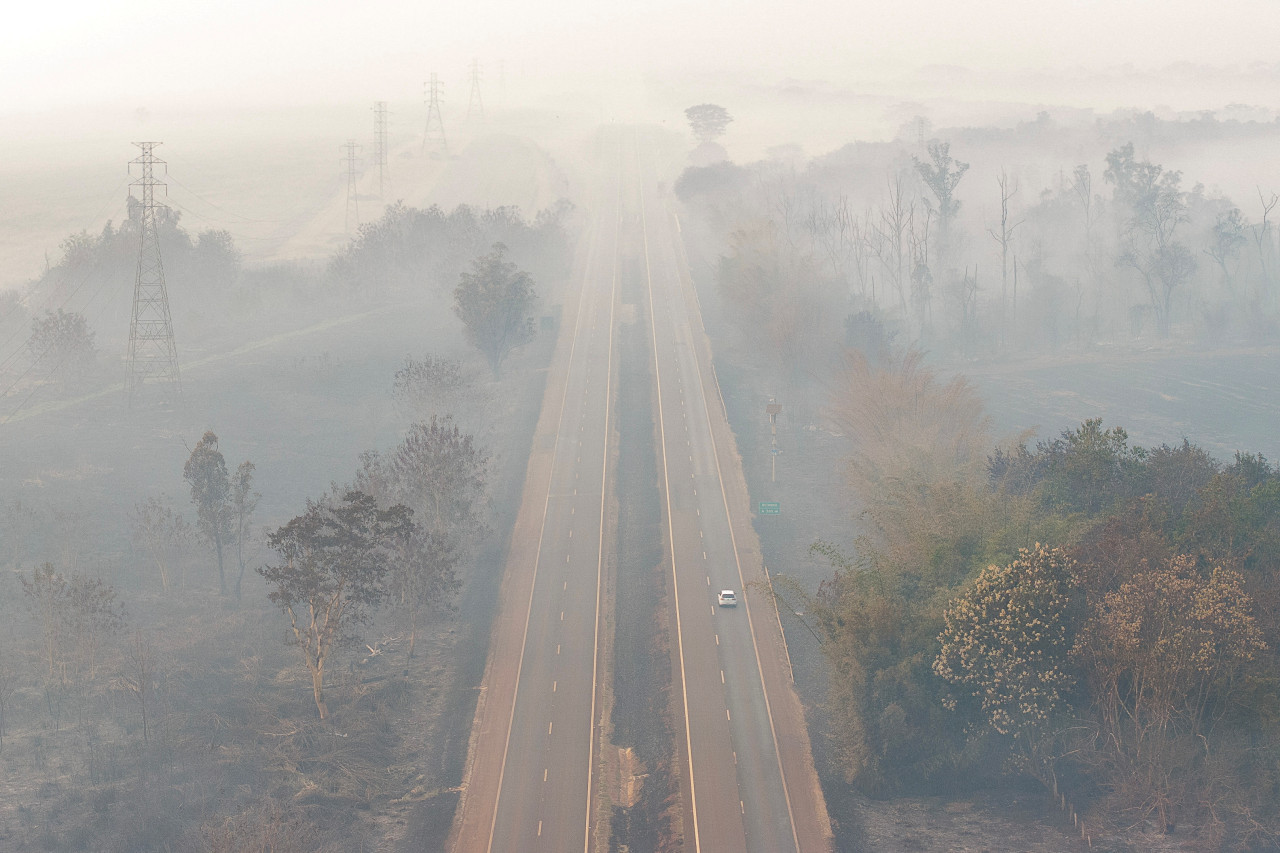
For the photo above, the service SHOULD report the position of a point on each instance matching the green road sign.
(770, 508)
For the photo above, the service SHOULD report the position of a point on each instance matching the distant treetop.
(708, 121)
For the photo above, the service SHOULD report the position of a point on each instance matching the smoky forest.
(1000, 383)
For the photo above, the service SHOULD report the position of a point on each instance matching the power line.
(380, 142)
(433, 137)
(353, 203)
(152, 350)
(475, 106)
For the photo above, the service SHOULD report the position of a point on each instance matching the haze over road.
(746, 774)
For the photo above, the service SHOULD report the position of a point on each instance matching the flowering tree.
(1008, 639)
(1166, 653)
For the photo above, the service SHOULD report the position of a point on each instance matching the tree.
(8, 687)
(63, 344)
(439, 473)
(423, 576)
(1007, 644)
(494, 302)
(333, 560)
(432, 385)
(138, 676)
(941, 175)
(76, 613)
(708, 121)
(1004, 237)
(1167, 654)
(206, 472)
(163, 534)
(1225, 240)
(241, 504)
(1157, 206)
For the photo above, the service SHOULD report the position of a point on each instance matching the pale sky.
(146, 52)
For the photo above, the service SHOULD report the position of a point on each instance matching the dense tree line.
(413, 249)
(1091, 614)
(905, 233)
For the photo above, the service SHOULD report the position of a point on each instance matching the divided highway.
(746, 774)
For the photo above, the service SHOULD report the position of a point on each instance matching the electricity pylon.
(434, 134)
(475, 106)
(152, 351)
(353, 204)
(380, 142)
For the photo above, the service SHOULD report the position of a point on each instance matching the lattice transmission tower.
(353, 173)
(475, 106)
(152, 351)
(380, 142)
(434, 135)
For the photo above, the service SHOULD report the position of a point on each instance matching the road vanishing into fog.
(745, 770)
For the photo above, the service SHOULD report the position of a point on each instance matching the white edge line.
(515, 697)
(737, 559)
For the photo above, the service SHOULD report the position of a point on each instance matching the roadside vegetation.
(185, 665)
(1076, 615)
(1094, 616)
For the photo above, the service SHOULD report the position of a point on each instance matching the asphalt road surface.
(747, 780)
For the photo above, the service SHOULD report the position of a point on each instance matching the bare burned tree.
(1004, 236)
(163, 535)
(76, 614)
(138, 676)
(243, 501)
(8, 687)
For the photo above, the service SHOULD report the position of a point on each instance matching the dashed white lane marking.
(717, 643)
(551, 725)
(554, 684)
(704, 555)
(742, 806)
(564, 585)
(708, 580)
(561, 615)
(544, 774)
(722, 676)
(713, 610)
(539, 829)
(558, 645)
(571, 534)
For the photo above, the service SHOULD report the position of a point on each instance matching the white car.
(727, 598)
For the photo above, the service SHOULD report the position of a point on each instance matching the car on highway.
(727, 598)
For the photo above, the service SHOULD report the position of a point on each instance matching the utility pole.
(380, 142)
(434, 134)
(773, 409)
(353, 203)
(475, 106)
(152, 351)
